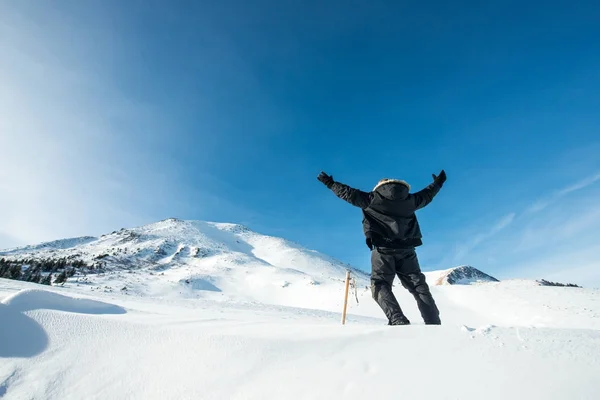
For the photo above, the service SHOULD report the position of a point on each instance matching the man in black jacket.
(392, 233)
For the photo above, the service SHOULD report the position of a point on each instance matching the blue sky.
(123, 113)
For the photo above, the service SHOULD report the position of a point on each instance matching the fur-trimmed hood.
(387, 181)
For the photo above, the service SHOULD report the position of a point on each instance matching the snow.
(26, 338)
(33, 299)
(56, 244)
(20, 335)
(199, 310)
(197, 259)
(64, 343)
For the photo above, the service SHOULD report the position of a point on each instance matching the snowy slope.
(200, 310)
(504, 340)
(176, 259)
(175, 242)
(195, 259)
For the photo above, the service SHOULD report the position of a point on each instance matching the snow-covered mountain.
(178, 258)
(463, 275)
(197, 259)
(175, 242)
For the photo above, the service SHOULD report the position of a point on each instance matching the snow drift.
(32, 299)
(203, 349)
(198, 310)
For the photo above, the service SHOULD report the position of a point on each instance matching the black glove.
(440, 179)
(326, 179)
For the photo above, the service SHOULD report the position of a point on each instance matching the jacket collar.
(387, 181)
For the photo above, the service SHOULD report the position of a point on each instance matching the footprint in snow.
(482, 330)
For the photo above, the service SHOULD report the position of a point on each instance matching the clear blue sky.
(228, 110)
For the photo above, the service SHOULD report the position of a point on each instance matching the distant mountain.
(463, 275)
(543, 282)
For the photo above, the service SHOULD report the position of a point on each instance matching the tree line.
(544, 282)
(45, 272)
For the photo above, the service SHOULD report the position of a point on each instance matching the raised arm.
(424, 197)
(356, 197)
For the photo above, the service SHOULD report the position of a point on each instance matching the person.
(392, 233)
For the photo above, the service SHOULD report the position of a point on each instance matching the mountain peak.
(463, 275)
(194, 258)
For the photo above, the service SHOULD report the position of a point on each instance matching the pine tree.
(36, 273)
(61, 278)
(36, 278)
(26, 275)
(46, 280)
(15, 272)
(46, 265)
(3, 268)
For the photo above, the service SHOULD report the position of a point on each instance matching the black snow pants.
(386, 265)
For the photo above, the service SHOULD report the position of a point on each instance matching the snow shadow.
(226, 236)
(201, 284)
(20, 335)
(29, 300)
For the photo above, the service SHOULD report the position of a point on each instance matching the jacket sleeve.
(353, 196)
(424, 197)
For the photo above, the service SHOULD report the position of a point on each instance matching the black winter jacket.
(389, 218)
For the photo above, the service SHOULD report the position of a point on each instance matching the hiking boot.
(400, 321)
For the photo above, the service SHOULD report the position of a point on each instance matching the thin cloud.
(538, 206)
(537, 228)
(580, 185)
(501, 224)
(580, 266)
(541, 204)
(560, 242)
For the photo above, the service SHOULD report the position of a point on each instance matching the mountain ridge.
(175, 257)
(168, 239)
(186, 258)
